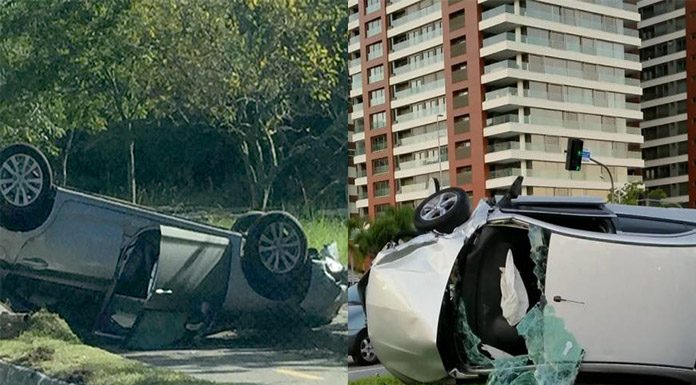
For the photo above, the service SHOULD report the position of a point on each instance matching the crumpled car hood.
(396, 300)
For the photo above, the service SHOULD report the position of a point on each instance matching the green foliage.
(367, 238)
(629, 193)
(657, 194)
(262, 79)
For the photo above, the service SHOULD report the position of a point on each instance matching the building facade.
(476, 93)
(664, 103)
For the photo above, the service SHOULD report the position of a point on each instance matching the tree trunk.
(66, 155)
(131, 171)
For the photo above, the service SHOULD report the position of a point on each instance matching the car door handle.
(33, 263)
(164, 291)
(558, 298)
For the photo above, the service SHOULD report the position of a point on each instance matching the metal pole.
(612, 198)
(439, 150)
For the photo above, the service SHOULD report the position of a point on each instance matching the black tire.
(363, 353)
(443, 211)
(244, 222)
(29, 209)
(275, 271)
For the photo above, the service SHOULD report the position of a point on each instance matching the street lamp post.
(439, 150)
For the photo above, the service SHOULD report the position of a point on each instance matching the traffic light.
(574, 154)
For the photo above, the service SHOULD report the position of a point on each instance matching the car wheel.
(275, 259)
(443, 210)
(26, 188)
(363, 352)
(244, 222)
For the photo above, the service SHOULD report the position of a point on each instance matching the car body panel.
(404, 316)
(626, 328)
(638, 308)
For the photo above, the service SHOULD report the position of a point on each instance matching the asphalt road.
(245, 358)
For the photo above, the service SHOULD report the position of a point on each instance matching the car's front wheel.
(26, 188)
(363, 352)
(443, 210)
(275, 260)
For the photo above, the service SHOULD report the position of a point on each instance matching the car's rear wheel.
(443, 210)
(26, 188)
(275, 259)
(363, 352)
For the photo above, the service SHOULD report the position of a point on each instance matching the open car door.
(626, 299)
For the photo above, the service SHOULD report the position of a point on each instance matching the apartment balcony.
(508, 152)
(410, 188)
(510, 98)
(353, 17)
(506, 46)
(403, 118)
(507, 72)
(549, 178)
(416, 65)
(417, 15)
(410, 91)
(464, 177)
(433, 38)
(411, 164)
(420, 142)
(500, 124)
(417, 139)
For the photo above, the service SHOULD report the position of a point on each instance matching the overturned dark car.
(536, 290)
(121, 272)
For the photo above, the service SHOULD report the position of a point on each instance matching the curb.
(17, 375)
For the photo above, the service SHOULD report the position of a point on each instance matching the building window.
(374, 51)
(371, 5)
(381, 189)
(378, 120)
(374, 27)
(379, 143)
(377, 97)
(461, 98)
(375, 74)
(380, 166)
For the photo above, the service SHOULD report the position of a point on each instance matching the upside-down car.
(123, 272)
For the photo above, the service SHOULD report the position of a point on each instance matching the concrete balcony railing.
(354, 40)
(414, 187)
(416, 15)
(353, 62)
(418, 89)
(353, 17)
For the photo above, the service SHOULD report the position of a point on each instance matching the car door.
(626, 299)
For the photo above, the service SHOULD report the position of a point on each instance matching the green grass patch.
(320, 230)
(50, 347)
(380, 380)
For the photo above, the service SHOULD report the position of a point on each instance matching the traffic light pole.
(611, 178)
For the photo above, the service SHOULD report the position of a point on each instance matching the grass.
(380, 380)
(50, 347)
(320, 230)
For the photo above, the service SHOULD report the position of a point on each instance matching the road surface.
(358, 372)
(315, 357)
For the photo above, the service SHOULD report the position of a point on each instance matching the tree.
(374, 235)
(629, 193)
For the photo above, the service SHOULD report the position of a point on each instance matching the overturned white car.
(531, 290)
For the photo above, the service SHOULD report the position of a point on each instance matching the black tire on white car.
(363, 353)
(26, 188)
(443, 211)
(275, 261)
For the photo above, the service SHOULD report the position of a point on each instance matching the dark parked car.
(359, 346)
(124, 272)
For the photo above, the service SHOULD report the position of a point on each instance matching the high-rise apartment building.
(482, 91)
(665, 126)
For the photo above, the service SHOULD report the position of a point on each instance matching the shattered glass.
(470, 340)
(553, 354)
